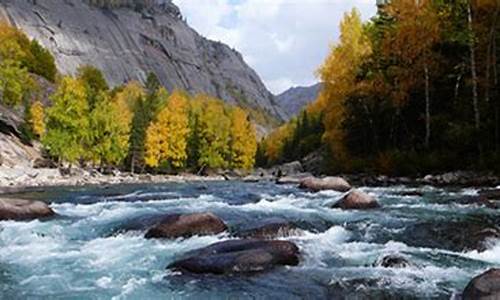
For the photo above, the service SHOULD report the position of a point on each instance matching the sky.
(283, 40)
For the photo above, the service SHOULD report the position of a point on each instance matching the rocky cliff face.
(295, 99)
(127, 42)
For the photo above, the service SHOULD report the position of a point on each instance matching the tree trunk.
(492, 61)
(475, 97)
(495, 94)
(427, 109)
(132, 163)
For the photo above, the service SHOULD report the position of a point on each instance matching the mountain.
(127, 39)
(293, 100)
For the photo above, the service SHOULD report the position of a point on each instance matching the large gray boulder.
(177, 225)
(18, 209)
(328, 183)
(356, 199)
(484, 287)
(239, 256)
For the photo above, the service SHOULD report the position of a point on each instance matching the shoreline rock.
(187, 225)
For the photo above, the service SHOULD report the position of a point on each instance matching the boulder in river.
(328, 183)
(392, 261)
(269, 229)
(177, 225)
(484, 287)
(356, 199)
(239, 256)
(18, 209)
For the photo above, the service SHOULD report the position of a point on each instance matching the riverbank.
(13, 179)
(18, 178)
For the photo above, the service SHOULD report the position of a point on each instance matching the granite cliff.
(128, 39)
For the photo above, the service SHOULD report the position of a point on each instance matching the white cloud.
(284, 40)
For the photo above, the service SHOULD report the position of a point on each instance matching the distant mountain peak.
(293, 100)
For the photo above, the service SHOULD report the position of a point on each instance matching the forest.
(134, 127)
(413, 90)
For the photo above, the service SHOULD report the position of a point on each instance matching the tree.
(338, 73)
(214, 135)
(43, 62)
(94, 81)
(67, 121)
(126, 101)
(243, 140)
(166, 138)
(409, 45)
(152, 83)
(145, 111)
(193, 147)
(37, 119)
(15, 82)
(108, 137)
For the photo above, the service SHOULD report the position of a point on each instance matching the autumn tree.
(243, 140)
(409, 45)
(108, 137)
(94, 81)
(338, 73)
(214, 135)
(37, 118)
(15, 82)
(145, 111)
(67, 126)
(42, 62)
(167, 136)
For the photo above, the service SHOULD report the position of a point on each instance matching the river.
(94, 248)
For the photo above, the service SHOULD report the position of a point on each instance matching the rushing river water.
(94, 248)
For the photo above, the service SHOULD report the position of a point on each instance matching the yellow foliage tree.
(338, 73)
(274, 143)
(124, 102)
(214, 135)
(37, 118)
(166, 138)
(243, 140)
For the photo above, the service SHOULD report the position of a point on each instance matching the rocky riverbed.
(227, 239)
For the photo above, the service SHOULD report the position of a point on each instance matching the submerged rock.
(357, 200)
(239, 256)
(483, 287)
(410, 193)
(392, 261)
(177, 225)
(472, 233)
(18, 209)
(328, 183)
(476, 200)
(272, 228)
